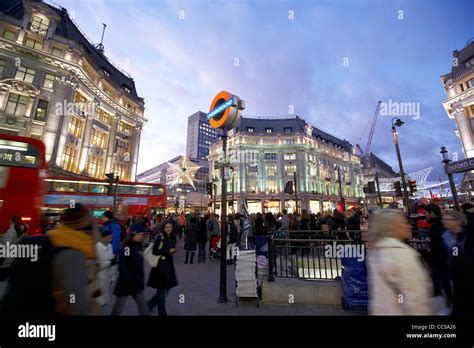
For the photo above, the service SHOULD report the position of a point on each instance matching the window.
(35, 136)
(16, 104)
(41, 110)
(94, 166)
(289, 169)
(470, 83)
(8, 131)
(57, 52)
(469, 62)
(121, 147)
(69, 156)
(120, 170)
(270, 156)
(39, 25)
(25, 74)
(48, 81)
(250, 129)
(75, 127)
(106, 73)
(37, 45)
(98, 138)
(9, 35)
(268, 130)
(127, 89)
(289, 156)
(271, 186)
(287, 129)
(102, 116)
(2, 67)
(271, 170)
(462, 87)
(125, 128)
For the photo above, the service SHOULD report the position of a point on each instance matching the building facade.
(371, 166)
(55, 85)
(264, 154)
(459, 105)
(200, 136)
(181, 196)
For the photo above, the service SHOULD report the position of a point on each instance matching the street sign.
(464, 165)
(225, 110)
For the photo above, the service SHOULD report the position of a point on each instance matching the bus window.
(18, 154)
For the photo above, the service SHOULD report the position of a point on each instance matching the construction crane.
(371, 134)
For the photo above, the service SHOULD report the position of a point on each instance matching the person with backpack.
(131, 279)
(105, 260)
(65, 269)
(12, 236)
(112, 225)
(163, 276)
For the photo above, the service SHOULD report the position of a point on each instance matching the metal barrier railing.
(303, 256)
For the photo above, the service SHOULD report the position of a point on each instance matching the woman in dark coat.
(131, 277)
(163, 277)
(190, 240)
(259, 225)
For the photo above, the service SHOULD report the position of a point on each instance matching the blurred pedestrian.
(163, 276)
(190, 239)
(398, 282)
(112, 225)
(106, 260)
(202, 239)
(131, 280)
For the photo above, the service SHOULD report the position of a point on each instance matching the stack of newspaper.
(245, 274)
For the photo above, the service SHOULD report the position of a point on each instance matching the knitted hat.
(108, 214)
(77, 218)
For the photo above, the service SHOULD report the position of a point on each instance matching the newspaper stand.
(246, 276)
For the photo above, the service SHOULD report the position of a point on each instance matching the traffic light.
(398, 188)
(289, 188)
(412, 186)
(209, 188)
(110, 181)
(372, 187)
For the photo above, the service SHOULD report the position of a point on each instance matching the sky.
(331, 61)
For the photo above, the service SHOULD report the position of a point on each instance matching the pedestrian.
(353, 224)
(398, 282)
(182, 224)
(213, 230)
(232, 239)
(112, 225)
(202, 239)
(437, 256)
(106, 260)
(460, 249)
(12, 236)
(163, 276)
(259, 225)
(238, 225)
(285, 221)
(190, 240)
(131, 276)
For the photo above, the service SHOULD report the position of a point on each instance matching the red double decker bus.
(132, 197)
(22, 173)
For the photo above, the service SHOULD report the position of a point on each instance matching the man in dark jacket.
(353, 224)
(131, 280)
(202, 239)
(437, 257)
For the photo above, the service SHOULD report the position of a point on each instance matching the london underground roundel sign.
(225, 110)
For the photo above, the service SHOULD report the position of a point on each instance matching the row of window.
(94, 165)
(469, 84)
(270, 130)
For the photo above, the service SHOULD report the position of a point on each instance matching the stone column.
(135, 151)
(111, 144)
(86, 143)
(465, 133)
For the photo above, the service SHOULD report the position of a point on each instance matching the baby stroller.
(215, 247)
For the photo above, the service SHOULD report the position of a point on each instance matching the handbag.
(151, 258)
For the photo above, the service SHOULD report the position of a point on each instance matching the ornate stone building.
(264, 154)
(459, 105)
(57, 86)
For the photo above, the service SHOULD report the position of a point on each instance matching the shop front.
(314, 206)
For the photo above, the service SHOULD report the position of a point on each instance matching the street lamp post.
(399, 123)
(341, 196)
(223, 268)
(446, 160)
